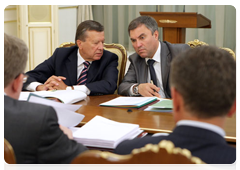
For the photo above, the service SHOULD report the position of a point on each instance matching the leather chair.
(119, 50)
(9, 155)
(163, 153)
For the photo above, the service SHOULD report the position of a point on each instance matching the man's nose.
(100, 46)
(138, 43)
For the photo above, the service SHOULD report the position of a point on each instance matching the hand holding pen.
(148, 90)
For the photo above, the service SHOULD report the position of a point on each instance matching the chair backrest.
(117, 49)
(121, 52)
(9, 155)
(163, 153)
(197, 43)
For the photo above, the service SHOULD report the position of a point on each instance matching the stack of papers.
(164, 105)
(104, 133)
(129, 102)
(65, 96)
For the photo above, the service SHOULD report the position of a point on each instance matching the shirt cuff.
(131, 90)
(82, 88)
(33, 86)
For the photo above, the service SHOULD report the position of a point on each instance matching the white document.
(66, 115)
(24, 95)
(66, 96)
(129, 101)
(102, 132)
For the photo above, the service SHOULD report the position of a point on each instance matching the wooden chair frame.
(9, 155)
(197, 43)
(163, 153)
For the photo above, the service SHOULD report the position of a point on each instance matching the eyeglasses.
(25, 77)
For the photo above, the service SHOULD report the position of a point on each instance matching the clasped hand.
(53, 83)
(148, 90)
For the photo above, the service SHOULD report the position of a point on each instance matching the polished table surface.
(151, 122)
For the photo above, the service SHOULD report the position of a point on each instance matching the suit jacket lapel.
(93, 70)
(71, 65)
(143, 71)
(165, 63)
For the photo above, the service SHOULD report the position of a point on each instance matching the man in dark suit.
(143, 32)
(203, 87)
(65, 68)
(31, 129)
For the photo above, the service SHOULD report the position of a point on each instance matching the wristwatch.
(135, 89)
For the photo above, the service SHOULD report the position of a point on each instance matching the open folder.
(129, 102)
(65, 96)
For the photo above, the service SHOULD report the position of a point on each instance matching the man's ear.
(155, 34)
(176, 106)
(232, 111)
(17, 83)
(79, 44)
(175, 99)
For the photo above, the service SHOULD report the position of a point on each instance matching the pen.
(152, 83)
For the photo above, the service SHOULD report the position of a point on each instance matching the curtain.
(116, 18)
(84, 12)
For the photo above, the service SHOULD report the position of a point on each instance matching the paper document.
(65, 113)
(65, 96)
(40, 100)
(102, 132)
(134, 102)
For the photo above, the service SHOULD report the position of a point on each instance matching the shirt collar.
(156, 56)
(202, 125)
(80, 59)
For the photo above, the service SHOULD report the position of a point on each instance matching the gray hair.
(88, 25)
(148, 21)
(15, 58)
(206, 79)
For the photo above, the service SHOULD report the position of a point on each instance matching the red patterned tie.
(83, 76)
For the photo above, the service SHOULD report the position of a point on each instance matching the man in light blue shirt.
(203, 88)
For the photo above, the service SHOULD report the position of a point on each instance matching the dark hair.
(148, 21)
(87, 25)
(206, 79)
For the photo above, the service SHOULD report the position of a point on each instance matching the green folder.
(165, 104)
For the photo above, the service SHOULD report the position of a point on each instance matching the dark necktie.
(152, 71)
(83, 76)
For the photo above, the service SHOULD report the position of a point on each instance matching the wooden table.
(151, 122)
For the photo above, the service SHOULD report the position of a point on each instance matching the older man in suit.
(148, 73)
(203, 86)
(86, 66)
(31, 129)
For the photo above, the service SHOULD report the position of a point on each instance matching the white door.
(38, 27)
